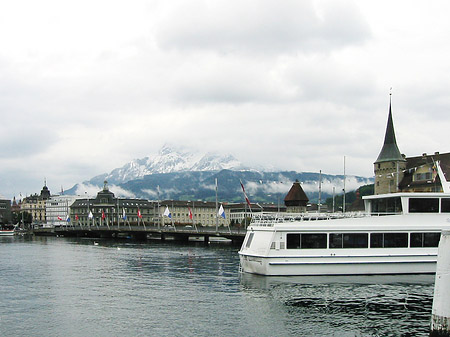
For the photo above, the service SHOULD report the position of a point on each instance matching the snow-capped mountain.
(170, 160)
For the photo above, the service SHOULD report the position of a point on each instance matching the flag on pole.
(139, 213)
(60, 219)
(124, 215)
(103, 215)
(167, 213)
(76, 217)
(190, 213)
(245, 195)
(221, 212)
(90, 216)
(67, 218)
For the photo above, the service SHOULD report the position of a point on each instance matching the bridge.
(146, 232)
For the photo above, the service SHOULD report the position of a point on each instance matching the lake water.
(73, 287)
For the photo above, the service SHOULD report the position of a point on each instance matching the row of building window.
(361, 240)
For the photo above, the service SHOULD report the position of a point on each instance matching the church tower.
(390, 164)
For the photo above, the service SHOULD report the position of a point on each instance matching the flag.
(103, 215)
(221, 212)
(60, 219)
(67, 218)
(76, 217)
(124, 215)
(167, 213)
(245, 195)
(90, 216)
(139, 213)
(190, 213)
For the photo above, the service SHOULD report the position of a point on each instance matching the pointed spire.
(390, 151)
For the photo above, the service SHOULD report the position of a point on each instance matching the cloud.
(291, 85)
(265, 27)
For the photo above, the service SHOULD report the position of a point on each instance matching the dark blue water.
(71, 287)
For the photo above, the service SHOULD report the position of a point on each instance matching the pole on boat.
(320, 191)
(440, 314)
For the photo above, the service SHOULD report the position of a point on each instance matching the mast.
(320, 191)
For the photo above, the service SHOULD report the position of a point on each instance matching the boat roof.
(392, 223)
(408, 195)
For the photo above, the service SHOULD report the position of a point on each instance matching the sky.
(87, 86)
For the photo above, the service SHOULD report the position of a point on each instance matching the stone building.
(390, 163)
(296, 200)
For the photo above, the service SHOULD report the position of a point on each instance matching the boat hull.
(6, 232)
(362, 265)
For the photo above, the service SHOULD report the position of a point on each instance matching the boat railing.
(265, 219)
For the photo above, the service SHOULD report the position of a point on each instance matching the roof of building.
(390, 151)
(413, 163)
(296, 194)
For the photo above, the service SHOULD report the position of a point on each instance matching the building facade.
(202, 213)
(35, 205)
(106, 209)
(5, 211)
(57, 209)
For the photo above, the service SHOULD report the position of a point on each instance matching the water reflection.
(351, 305)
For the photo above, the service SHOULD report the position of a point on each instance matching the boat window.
(389, 240)
(423, 205)
(445, 205)
(314, 240)
(306, 241)
(386, 205)
(293, 241)
(425, 239)
(349, 240)
(249, 240)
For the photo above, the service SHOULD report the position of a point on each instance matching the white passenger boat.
(398, 234)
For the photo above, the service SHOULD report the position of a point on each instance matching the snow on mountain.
(170, 160)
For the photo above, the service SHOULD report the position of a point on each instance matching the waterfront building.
(394, 172)
(203, 213)
(241, 211)
(35, 205)
(57, 209)
(106, 209)
(5, 210)
(296, 200)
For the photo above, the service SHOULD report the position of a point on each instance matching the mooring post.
(440, 314)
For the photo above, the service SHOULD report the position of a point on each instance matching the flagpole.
(343, 198)
(159, 213)
(217, 217)
(193, 216)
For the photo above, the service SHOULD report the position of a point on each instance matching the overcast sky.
(88, 85)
